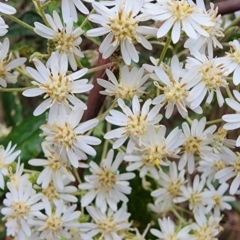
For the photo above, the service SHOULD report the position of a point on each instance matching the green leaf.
(26, 136)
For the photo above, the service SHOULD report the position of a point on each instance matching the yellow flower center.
(195, 199)
(234, 53)
(53, 224)
(107, 179)
(125, 92)
(123, 26)
(64, 42)
(192, 145)
(173, 188)
(57, 88)
(51, 192)
(154, 155)
(212, 75)
(236, 165)
(180, 9)
(137, 125)
(20, 209)
(219, 165)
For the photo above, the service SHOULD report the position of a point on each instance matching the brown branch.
(95, 99)
(228, 6)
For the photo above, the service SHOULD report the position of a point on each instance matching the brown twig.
(228, 6)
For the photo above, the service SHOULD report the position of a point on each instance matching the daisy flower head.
(70, 7)
(210, 164)
(20, 206)
(55, 167)
(121, 24)
(57, 221)
(63, 37)
(106, 184)
(195, 195)
(197, 143)
(133, 123)
(59, 87)
(53, 194)
(175, 88)
(206, 227)
(6, 65)
(170, 231)
(130, 83)
(231, 61)
(170, 185)
(155, 151)
(108, 226)
(220, 200)
(205, 44)
(209, 76)
(7, 156)
(179, 15)
(231, 170)
(68, 135)
(232, 120)
(17, 177)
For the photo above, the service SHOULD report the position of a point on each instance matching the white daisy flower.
(133, 123)
(220, 201)
(206, 227)
(121, 24)
(21, 205)
(197, 141)
(7, 156)
(58, 87)
(6, 65)
(210, 164)
(170, 185)
(231, 61)
(233, 119)
(18, 178)
(176, 88)
(54, 194)
(68, 135)
(57, 222)
(232, 170)
(106, 184)
(130, 83)
(179, 15)
(195, 195)
(110, 226)
(155, 151)
(55, 167)
(205, 44)
(63, 38)
(209, 77)
(69, 9)
(170, 231)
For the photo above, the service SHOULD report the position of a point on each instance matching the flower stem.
(214, 121)
(96, 69)
(229, 92)
(14, 89)
(164, 51)
(14, 19)
(76, 175)
(189, 120)
(179, 217)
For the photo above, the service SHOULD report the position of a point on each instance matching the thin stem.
(76, 175)
(214, 121)
(164, 51)
(179, 217)
(229, 92)
(105, 146)
(14, 89)
(189, 120)
(96, 69)
(45, 5)
(25, 25)
(23, 73)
